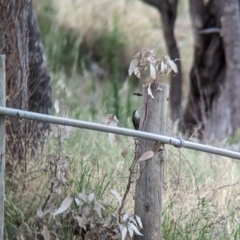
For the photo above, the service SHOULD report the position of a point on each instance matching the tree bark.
(39, 86)
(168, 11)
(148, 199)
(27, 78)
(230, 22)
(213, 105)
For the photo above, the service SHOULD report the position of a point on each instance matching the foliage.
(146, 58)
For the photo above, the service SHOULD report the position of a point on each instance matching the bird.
(136, 119)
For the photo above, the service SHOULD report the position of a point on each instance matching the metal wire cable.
(177, 142)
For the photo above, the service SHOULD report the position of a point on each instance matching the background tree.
(27, 77)
(168, 11)
(213, 104)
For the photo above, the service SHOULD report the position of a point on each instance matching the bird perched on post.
(136, 119)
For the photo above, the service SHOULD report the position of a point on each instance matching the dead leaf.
(146, 155)
(117, 196)
(57, 186)
(85, 218)
(112, 121)
(163, 69)
(135, 229)
(137, 55)
(97, 208)
(90, 197)
(130, 231)
(147, 58)
(132, 219)
(83, 196)
(123, 231)
(168, 70)
(125, 217)
(107, 222)
(40, 213)
(45, 233)
(152, 71)
(64, 206)
(62, 175)
(48, 209)
(125, 151)
(137, 72)
(171, 64)
(150, 91)
(86, 211)
(133, 66)
(139, 221)
(81, 222)
(56, 106)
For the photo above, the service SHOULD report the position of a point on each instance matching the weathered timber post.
(2, 143)
(148, 199)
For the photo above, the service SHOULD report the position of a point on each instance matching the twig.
(51, 188)
(228, 185)
(130, 181)
(209, 30)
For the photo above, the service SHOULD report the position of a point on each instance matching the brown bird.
(136, 119)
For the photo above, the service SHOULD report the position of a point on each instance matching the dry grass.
(192, 175)
(204, 192)
(201, 191)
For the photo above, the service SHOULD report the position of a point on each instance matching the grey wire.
(177, 142)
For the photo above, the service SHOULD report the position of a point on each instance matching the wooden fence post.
(2, 143)
(148, 199)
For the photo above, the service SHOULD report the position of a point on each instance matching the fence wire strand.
(177, 142)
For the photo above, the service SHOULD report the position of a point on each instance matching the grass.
(200, 199)
(201, 191)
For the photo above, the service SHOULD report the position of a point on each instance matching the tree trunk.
(211, 103)
(39, 86)
(230, 22)
(168, 11)
(207, 75)
(27, 78)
